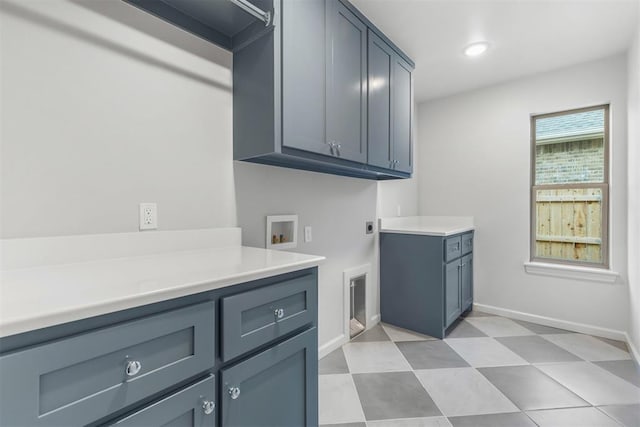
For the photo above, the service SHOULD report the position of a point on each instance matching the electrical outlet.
(148, 216)
(369, 227)
(307, 234)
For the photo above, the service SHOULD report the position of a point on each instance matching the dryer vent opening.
(357, 314)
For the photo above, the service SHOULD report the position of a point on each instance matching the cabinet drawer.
(256, 317)
(190, 407)
(80, 379)
(277, 387)
(452, 248)
(467, 243)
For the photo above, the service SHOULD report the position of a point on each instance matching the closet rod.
(251, 9)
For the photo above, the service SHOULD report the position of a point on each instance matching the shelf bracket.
(253, 10)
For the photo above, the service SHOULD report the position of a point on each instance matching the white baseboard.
(332, 345)
(555, 323)
(374, 320)
(632, 349)
(342, 339)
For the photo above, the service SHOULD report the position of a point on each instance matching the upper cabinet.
(390, 107)
(316, 86)
(346, 65)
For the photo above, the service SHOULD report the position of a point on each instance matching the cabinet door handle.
(132, 368)
(234, 392)
(463, 264)
(208, 407)
(279, 313)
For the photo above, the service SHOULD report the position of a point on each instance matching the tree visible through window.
(569, 193)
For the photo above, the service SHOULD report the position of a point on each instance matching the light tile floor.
(488, 371)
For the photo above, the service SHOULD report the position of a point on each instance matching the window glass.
(570, 189)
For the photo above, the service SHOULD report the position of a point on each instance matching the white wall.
(98, 116)
(104, 107)
(474, 155)
(336, 208)
(633, 98)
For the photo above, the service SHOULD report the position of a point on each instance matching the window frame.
(604, 187)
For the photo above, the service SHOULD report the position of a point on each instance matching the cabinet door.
(303, 76)
(193, 406)
(467, 281)
(380, 58)
(346, 82)
(452, 292)
(278, 387)
(401, 91)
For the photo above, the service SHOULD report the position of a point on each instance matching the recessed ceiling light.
(476, 49)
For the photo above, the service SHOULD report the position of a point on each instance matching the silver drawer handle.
(279, 313)
(133, 367)
(208, 407)
(234, 392)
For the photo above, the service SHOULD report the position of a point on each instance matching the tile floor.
(489, 371)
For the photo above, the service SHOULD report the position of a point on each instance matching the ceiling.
(526, 37)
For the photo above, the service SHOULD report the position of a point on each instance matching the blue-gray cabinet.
(302, 95)
(346, 66)
(301, 84)
(390, 106)
(426, 282)
(192, 406)
(165, 363)
(274, 388)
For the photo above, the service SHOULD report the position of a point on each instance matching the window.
(570, 187)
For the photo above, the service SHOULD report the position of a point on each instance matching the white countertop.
(42, 296)
(427, 225)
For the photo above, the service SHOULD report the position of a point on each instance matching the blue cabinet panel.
(425, 284)
(277, 387)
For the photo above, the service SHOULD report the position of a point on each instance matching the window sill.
(572, 272)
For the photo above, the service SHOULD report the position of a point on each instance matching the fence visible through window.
(569, 196)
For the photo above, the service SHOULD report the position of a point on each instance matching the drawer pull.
(234, 392)
(279, 313)
(133, 367)
(208, 407)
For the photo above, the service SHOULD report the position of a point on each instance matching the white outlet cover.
(148, 216)
(307, 234)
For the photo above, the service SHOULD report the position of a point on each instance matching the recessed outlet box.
(148, 216)
(369, 227)
(282, 231)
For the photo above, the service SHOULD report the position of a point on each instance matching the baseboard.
(554, 323)
(332, 345)
(632, 349)
(342, 339)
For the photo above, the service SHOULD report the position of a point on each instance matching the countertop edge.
(32, 323)
(428, 232)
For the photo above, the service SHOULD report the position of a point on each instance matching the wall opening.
(357, 311)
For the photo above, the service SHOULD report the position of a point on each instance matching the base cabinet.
(426, 282)
(193, 406)
(183, 362)
(274, 388)
(466, 281)
(452, 300)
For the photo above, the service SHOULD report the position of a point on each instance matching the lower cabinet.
(277, 387)
(426, 282)
(193, 406)
(165, 364)
(452, 302)
(466, 281)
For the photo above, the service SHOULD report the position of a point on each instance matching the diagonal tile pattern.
(390, 395)
(489, 371)
(588, 347)
(535, 349)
